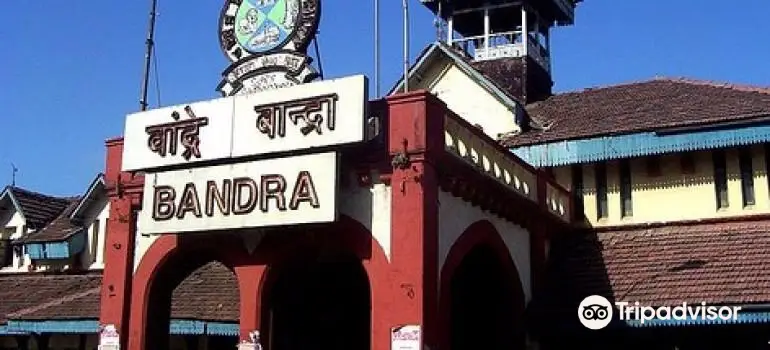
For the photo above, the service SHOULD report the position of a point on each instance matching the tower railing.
(504, 44)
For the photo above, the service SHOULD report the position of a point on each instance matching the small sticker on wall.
(109, 339)
(407, 337)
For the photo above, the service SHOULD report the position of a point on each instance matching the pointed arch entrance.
(317, 301)
(166, 281)
(319, 287)
(482, 299)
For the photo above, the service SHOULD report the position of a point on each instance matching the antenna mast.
(13, 178)
(406, 45)
(148, 56)
(377, 47)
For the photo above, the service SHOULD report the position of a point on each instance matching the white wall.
(371, 207)
(456, 215)
(470, 101)
(20, 262)
(100, 210)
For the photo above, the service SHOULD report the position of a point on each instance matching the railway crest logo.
(266, 41)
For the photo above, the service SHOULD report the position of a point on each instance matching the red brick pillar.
(415, 141)
(124, 191)
(249, 279)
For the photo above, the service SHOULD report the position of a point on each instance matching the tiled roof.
(716, 263)
(80, 305)
(23, 291)
(39, 209)
(643, 106)
(59, 229)
(209, 293)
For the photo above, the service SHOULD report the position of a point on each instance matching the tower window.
(577, 190)
(601, 191)
(626, 205)
(720, 178)
(747, 176)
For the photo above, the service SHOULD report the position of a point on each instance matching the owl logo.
(595, 312)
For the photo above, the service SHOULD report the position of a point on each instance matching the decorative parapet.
(557, 200)
(478, 150)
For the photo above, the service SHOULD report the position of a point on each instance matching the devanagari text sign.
(325, 113)
(184, 134)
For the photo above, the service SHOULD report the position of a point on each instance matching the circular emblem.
(258, 27)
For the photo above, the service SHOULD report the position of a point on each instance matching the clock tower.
(507, 38)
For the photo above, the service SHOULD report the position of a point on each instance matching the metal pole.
(406, 45)
(377, 47)
(148, 56)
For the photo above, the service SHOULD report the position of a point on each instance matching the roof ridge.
(685, 80)
(39, 194)
(608, 86)
(53, 302)
(717, 84)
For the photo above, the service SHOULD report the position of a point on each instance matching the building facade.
(473, 208)
(51, 253)
(668, 178)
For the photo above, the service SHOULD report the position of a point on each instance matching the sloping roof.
(80, 305)
(438, 50)
(23, 291)
(38, 209)
(94, 191)
(210, 293)
(651, 105)
(59, 229)
(712, 262)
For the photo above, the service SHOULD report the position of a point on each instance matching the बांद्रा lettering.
(236, 196)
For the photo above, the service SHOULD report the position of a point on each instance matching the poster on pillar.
(408, 337)
(262, 193)
(109, 339)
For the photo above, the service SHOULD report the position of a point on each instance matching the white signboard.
(182, 134)
(406, 338)
(325, 113)
(271, 192)
(305, 116)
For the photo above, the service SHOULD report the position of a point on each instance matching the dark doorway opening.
(321, 303)
(484, 312)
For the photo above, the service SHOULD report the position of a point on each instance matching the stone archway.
(337, 275)
(208, 296)
(481, 297)
(318, 302)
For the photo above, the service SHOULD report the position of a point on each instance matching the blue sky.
(71, 69)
